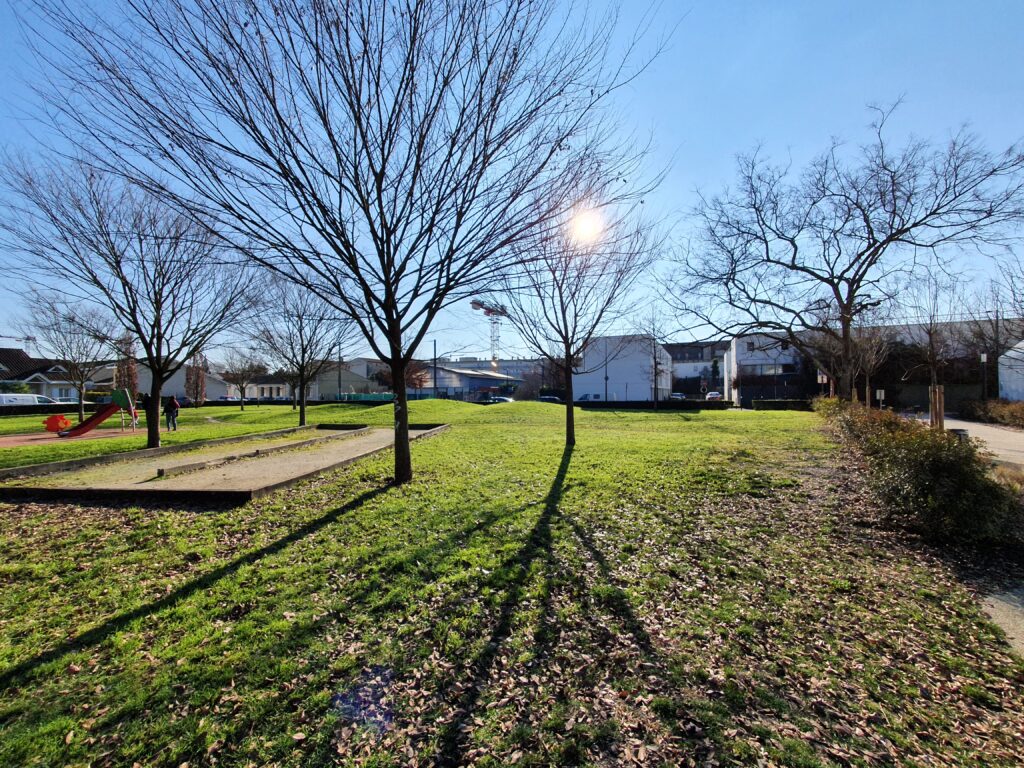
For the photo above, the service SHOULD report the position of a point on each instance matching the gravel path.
(135, 471)
(243, 474)
(257, 472)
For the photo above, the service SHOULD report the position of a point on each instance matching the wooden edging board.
(232, 497)
(32, 470)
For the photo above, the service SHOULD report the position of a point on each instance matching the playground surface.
(234, 472)
(41, 438)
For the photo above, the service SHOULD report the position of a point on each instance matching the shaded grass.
(676, 584)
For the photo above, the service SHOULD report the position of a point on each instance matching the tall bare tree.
(160, 274)
(301, 333)
(388, 157)
(573, 286)
(803, 259)
(77, 336)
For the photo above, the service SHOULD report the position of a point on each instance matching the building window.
(750, 346)
(785, 346)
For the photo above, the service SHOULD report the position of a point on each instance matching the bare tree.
(931, 326)
(195, 378)
(69, 333)
(803, 259)
(241, 369)
(388, 158)
(572, 288)
(993, 324)
(872, 345)
(301, 333)
(159, 274)
(653, 331)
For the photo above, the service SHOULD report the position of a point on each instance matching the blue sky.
(785, 75)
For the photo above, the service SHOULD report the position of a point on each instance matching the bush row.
(781, 405)
(994, 411)
(932, 482)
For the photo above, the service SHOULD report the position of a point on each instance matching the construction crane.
(494, 312)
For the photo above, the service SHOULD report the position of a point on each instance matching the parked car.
(677, 396)
(494, 399)
(588, 398)
(226, 399)
(20, 399)
(713, 396)
(73, 401)
(550, 399)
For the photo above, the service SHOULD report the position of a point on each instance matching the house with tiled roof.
(41, 375)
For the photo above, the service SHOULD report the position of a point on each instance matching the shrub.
(829, 407)
(932, 482)
(994, 411)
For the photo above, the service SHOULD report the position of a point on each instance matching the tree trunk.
(81, 402)
(867, 389)
(302, 401)
(153, 413)
(403, 454)
(570, 415)
(847, 372)
(241, 390)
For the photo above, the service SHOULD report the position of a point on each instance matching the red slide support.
(101, 415)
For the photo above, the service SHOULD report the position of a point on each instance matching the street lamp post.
(984, 376)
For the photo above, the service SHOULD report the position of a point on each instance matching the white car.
(713, 396)
(18, 399)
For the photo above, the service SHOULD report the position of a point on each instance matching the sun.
(586, 226)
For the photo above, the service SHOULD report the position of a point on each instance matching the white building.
(623, 368)
(216, 387)
(1011, 373)
(759, 366)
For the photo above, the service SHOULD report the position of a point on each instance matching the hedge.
(932, 482)
(781, 405)
(994, 412)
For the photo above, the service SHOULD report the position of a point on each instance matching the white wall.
(1011, 374)
(628, 362)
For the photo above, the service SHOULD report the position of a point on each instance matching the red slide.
(102, 414)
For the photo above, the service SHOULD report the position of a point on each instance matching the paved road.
(1006, 443)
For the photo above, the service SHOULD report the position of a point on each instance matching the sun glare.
(586, 226)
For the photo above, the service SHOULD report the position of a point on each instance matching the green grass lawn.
(681, 587)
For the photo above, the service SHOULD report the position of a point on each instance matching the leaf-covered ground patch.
(680, 589)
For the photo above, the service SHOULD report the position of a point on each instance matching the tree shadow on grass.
(451, 743)
(20, 672)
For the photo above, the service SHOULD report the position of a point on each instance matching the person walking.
(171, 411)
